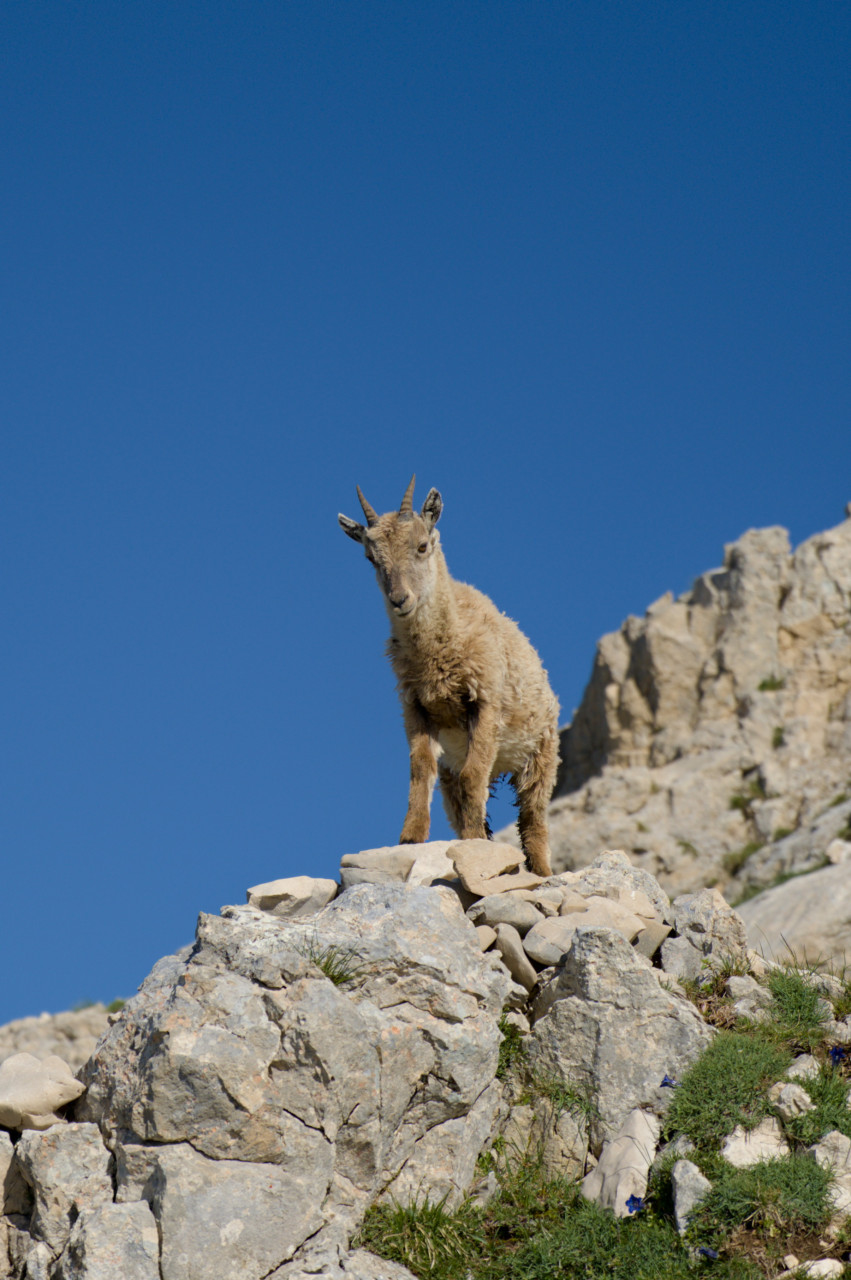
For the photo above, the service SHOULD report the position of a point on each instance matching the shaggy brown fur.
(475, 697)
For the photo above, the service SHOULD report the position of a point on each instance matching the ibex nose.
(398, 598)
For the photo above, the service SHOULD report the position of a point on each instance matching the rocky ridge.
(243, 1077)
(713, 741)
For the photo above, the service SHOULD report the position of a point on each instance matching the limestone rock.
(111, 1241)
(708, 930)
(690, 1187)
(68, 1170)
(31, 1092)
(804, 1067)
(739, 689)
(240, 1076)
(810, 913)
(624, 1165)
(607, 1024)
(744, 1148)
(70, 1036)
(15, 1195)
(790, 1100)
(293, 896)
(833, 1152)
(510, 946)
(477, 861)
(505, 908)
(377, 866)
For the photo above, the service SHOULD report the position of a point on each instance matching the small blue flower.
(837, 1053)
(634, 1204)
(669, 1083)
(712, 1254)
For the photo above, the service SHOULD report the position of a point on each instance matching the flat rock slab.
(377, 866)
(115, 1240)
(481, 860)
(689, 1187)
(505, 908)
(31, 1092)
(293, 896)
(808, 915)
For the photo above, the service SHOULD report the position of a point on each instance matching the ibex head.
(401, 545)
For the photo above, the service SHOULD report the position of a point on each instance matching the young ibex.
(475, 696)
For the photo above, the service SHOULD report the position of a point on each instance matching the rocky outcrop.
(332, 1060)
(713, 741)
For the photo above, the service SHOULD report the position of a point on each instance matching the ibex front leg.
(422, 744)
(475, 776)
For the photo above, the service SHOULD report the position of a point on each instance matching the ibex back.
(475, 697)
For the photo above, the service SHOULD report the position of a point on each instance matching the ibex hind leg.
(450, 790)
(533, 797)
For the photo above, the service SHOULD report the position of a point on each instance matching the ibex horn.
(407, 507)
(371, 516)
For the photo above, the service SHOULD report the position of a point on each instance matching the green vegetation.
(512, 1049)
(778, 738)
(733, 861)
(337, 963)
(781, 833)
(116, 1006)
(777, 1197)
(688, 847)
(725, 1087)
(771, 684)
(536, 1227)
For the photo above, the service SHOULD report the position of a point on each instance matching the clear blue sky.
(583, 266)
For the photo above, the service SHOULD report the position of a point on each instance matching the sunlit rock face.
(713, 740)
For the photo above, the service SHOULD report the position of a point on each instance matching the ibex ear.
(351, 527)
(432, 508)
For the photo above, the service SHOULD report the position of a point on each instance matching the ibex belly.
(514, 748)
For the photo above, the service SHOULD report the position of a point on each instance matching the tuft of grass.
(775, 1197)
(778, 737)
(840, 799)
(771, 684)
(427, 1238)
(689, 848)
(512, 1049)
(726, 1086)
(116, 1006)
(797, 1016)
(339, 964)
(781, 833)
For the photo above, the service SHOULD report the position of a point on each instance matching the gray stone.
(804, 1067)
(294, 896)
(744, 1147)
(15, 1195)
(624, 1164)
(258, 1071)
(68, 1169)
(712, 930)
(650, 938)
(32, 1092)
(505, 908)
(377, 866)
(690, 1187)
(112, 1241)
(478, 861)
(833, 1152)
(486, 936)
(510, 946)
(551, 939)
(790, 1100)
(609, 1027)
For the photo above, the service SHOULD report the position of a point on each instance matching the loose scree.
(475, 697)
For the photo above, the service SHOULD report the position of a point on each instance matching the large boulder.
(606, 1025)
(242, 1077)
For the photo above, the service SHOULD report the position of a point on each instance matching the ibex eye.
(422, 548)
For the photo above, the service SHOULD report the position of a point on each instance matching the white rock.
(31, 1092)
(838, 851)
(690, 1187)
(804, 1067)
(293, 896)
(744, 1148)
(816, 1269)
(624, 1164)
(377, 866)
(790, 1100)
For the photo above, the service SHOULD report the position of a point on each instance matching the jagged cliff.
(713, 741)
